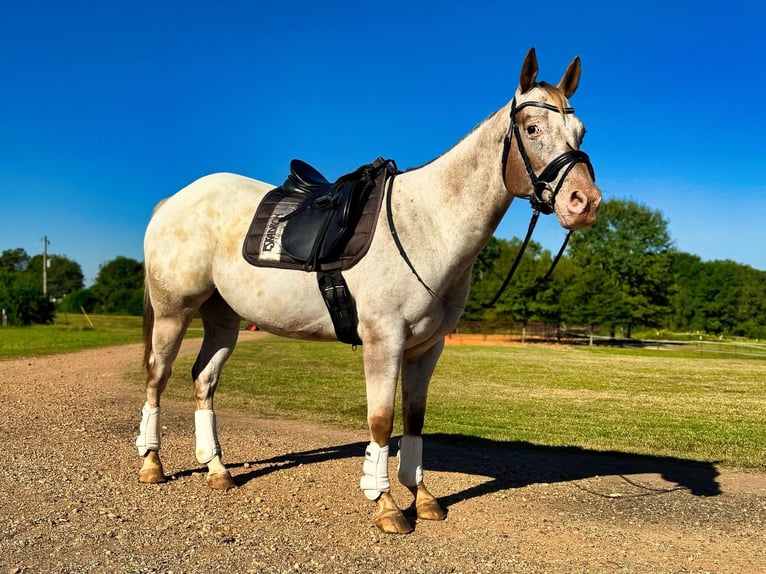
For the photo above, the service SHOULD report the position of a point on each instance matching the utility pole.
(45, 265)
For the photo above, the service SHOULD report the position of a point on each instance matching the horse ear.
(528, 72)
(571, 78)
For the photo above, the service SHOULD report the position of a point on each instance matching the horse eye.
(531, 130)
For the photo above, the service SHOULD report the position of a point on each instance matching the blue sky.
(107, 107)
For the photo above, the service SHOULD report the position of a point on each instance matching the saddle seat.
(318, 230)
(304, 179)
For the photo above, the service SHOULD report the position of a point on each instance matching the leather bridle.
(540, 183)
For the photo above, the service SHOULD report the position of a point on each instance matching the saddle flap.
(319, 230)
(313, 225)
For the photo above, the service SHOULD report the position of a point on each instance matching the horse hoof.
(427, 507)
(392, 522)
(151, 476)
(151, 472)
(220, 481)
(389, 519)
(430, 510)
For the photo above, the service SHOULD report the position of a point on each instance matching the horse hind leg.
(221, 326)
(162, 339)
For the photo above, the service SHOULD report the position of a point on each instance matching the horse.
(410, 288)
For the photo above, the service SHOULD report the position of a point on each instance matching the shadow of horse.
(512, 464)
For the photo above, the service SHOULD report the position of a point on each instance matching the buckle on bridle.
(542, 182)
(538, 202)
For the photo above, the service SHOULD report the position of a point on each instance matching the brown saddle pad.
(263, 245)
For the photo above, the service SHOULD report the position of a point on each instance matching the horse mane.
(553, 92)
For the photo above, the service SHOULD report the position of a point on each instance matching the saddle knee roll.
(410, 460)
(206, 435)
(375, 479)
(149, 430)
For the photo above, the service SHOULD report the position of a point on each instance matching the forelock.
(556, 96)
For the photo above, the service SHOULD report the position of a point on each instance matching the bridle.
(540, 183)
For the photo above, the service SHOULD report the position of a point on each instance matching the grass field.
(679, 403)
(72, 332)
(633, 401)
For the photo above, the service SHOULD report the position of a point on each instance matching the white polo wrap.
(410, 455)
(206, 435)
(149, 430)
(375, 468)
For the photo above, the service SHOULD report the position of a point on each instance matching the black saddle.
(313, 225)
(319, 228)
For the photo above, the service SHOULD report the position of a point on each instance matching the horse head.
(542, 158)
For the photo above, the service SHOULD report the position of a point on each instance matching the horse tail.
(148, 327)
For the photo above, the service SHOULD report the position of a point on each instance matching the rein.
(539, 204)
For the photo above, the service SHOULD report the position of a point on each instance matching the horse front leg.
(416, 375)
(381, 366)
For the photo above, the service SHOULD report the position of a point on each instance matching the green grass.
(72, 332)
(681, 403)
(634, 401)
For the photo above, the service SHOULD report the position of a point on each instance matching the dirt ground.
(71, 501)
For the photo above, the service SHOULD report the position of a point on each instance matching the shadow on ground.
(512, 464)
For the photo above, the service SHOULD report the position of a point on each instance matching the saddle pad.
(263, 243)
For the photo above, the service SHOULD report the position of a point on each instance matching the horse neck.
(454, 203)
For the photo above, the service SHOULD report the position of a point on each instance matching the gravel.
(71, 501)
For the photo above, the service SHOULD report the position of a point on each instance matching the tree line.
(621, 274)
(118, 288)
(618, 275)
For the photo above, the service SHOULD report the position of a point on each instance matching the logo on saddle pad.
(271, 244)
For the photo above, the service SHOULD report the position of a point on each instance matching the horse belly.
(283, 302)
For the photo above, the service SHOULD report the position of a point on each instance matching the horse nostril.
(577, 201)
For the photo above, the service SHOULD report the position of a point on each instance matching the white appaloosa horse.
(444, 214)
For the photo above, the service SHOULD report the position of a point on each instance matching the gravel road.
(71, 501)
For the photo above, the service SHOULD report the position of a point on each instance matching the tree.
(22, 298)
(624, 277)
(119, 287)
(14, 260)
(63, 275)
(526, 298)
(718, 297)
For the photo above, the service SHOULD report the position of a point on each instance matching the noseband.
(542, 182)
